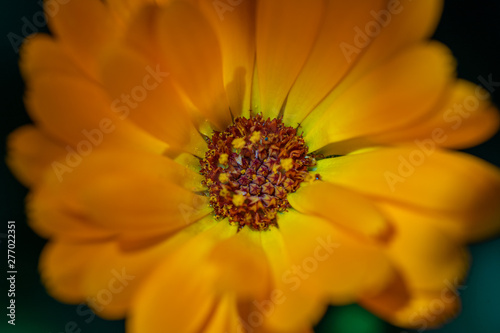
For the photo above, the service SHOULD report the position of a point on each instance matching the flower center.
(251, 167)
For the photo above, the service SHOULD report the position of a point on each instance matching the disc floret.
(251, 167)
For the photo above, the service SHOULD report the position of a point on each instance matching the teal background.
(469, 27)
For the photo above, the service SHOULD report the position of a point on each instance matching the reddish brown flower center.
(251, 167)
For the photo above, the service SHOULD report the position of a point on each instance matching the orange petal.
(396, 93)
(192, 54)
(102, 273)
(145, 93)
(389, 31)
(43, 55)
(423, 310)
(283, 46)
(234, 24)
(336, 252)
(64, 267)
(405, 24)
(124, 10)
(84, 27)
(30, 153)
(347, 209)
(141, 33)
(394, 297)
(180, 294)
(239, 261)
(136, 191)
(425, 256)
(313, 263)
(66, 106)
(462, 228)
(129, 192)
(319, 76)
(183, 309)
(466, 119)
(288, 308)
(79, 113)
(224, 318)
(48, 218)
(423, 178)
(123, 272)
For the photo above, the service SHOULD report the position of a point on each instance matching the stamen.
(255, 137)
(238, 200)
(223, 159)
(238, 143)
(287, 163)
(223, 178)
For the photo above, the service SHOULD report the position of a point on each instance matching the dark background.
(471, 30)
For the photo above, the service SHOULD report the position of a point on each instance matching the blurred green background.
(469, 27)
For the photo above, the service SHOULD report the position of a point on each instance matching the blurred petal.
(79, 113)
(43, 55)
(312, 262)
(84, 27)
(424, 309)
(234, 24)
(30, 153)
(124, 10)
(128, 193)
(125, 271)
(196, 64)
(191, 297)
(425, 256)
(224, 318)
(466, 119)
(64, 266)
(294, 307)
(145, 93)
(239, 261)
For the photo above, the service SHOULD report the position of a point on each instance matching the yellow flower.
(236, 166)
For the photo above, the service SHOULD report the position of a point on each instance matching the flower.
(235, 166)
